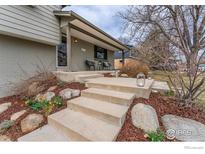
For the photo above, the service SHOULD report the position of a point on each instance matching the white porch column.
(69, 54)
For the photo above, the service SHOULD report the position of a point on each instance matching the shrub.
(31, 86)
(45, 105)
(48, 107)
(156, 136)
(57, 100)
(61, 84)
(169, 93)
(132, 67)
(35, 105)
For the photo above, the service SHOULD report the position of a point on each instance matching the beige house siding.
(17, 55)
(36, 23)
(83, 50)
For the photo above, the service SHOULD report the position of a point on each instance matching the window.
(62, 52)
(100, 53)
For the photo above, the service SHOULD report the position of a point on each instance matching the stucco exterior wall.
(17, 55)
(82, 50)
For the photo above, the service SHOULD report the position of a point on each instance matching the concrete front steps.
(82, 127)
(127, 85)
(106, 111)
(92, 118)
(43, 134)
(83, 78)
(97, 115)
(112, 96)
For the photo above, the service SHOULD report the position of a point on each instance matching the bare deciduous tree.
(184, 28)
(154, 50)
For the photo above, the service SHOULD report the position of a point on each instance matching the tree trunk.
(191, 64)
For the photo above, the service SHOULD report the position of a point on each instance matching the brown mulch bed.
(108, 75)
(18, 104)
(162, 105)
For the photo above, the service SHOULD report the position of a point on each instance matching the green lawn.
(163, 76)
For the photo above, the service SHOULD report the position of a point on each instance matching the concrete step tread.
(100, 106)
(120, 82)
(45, 133)
(90, 75)
(85, 77)
(112, 93)
(89, 127)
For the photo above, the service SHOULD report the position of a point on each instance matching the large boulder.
(4, 107)
(6, 124)
(47, 96)
(69, 93)
(31, 122)
(145, 117)
(183, 129)
(75, 92)
(65, 94)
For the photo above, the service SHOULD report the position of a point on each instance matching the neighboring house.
(122, 56)
(202, 67)
(32, 36)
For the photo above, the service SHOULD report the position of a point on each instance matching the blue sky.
(103, 17)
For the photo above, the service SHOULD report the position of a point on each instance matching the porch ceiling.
(80, 35)
(82, 29)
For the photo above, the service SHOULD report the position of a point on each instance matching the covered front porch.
(84, 46)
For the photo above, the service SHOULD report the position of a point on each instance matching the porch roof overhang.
(83, 29)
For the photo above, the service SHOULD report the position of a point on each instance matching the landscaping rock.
(52, 88)
(66, 93)
(183, 129)
(75, 92)
(4, 107)
(4, 138)
(124, 75)
(6, 124)
(17, 115)
(47, 96)
(31, 122)
(145, 117)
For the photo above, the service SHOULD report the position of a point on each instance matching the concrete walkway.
(160, 86)
(97, 115)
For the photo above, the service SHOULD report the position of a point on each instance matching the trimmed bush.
(132, 67)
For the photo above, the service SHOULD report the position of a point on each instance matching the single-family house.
(32, 36)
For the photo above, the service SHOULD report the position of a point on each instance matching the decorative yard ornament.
(117, 73)
(140, 80)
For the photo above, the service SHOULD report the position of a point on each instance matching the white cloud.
(103, 17)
